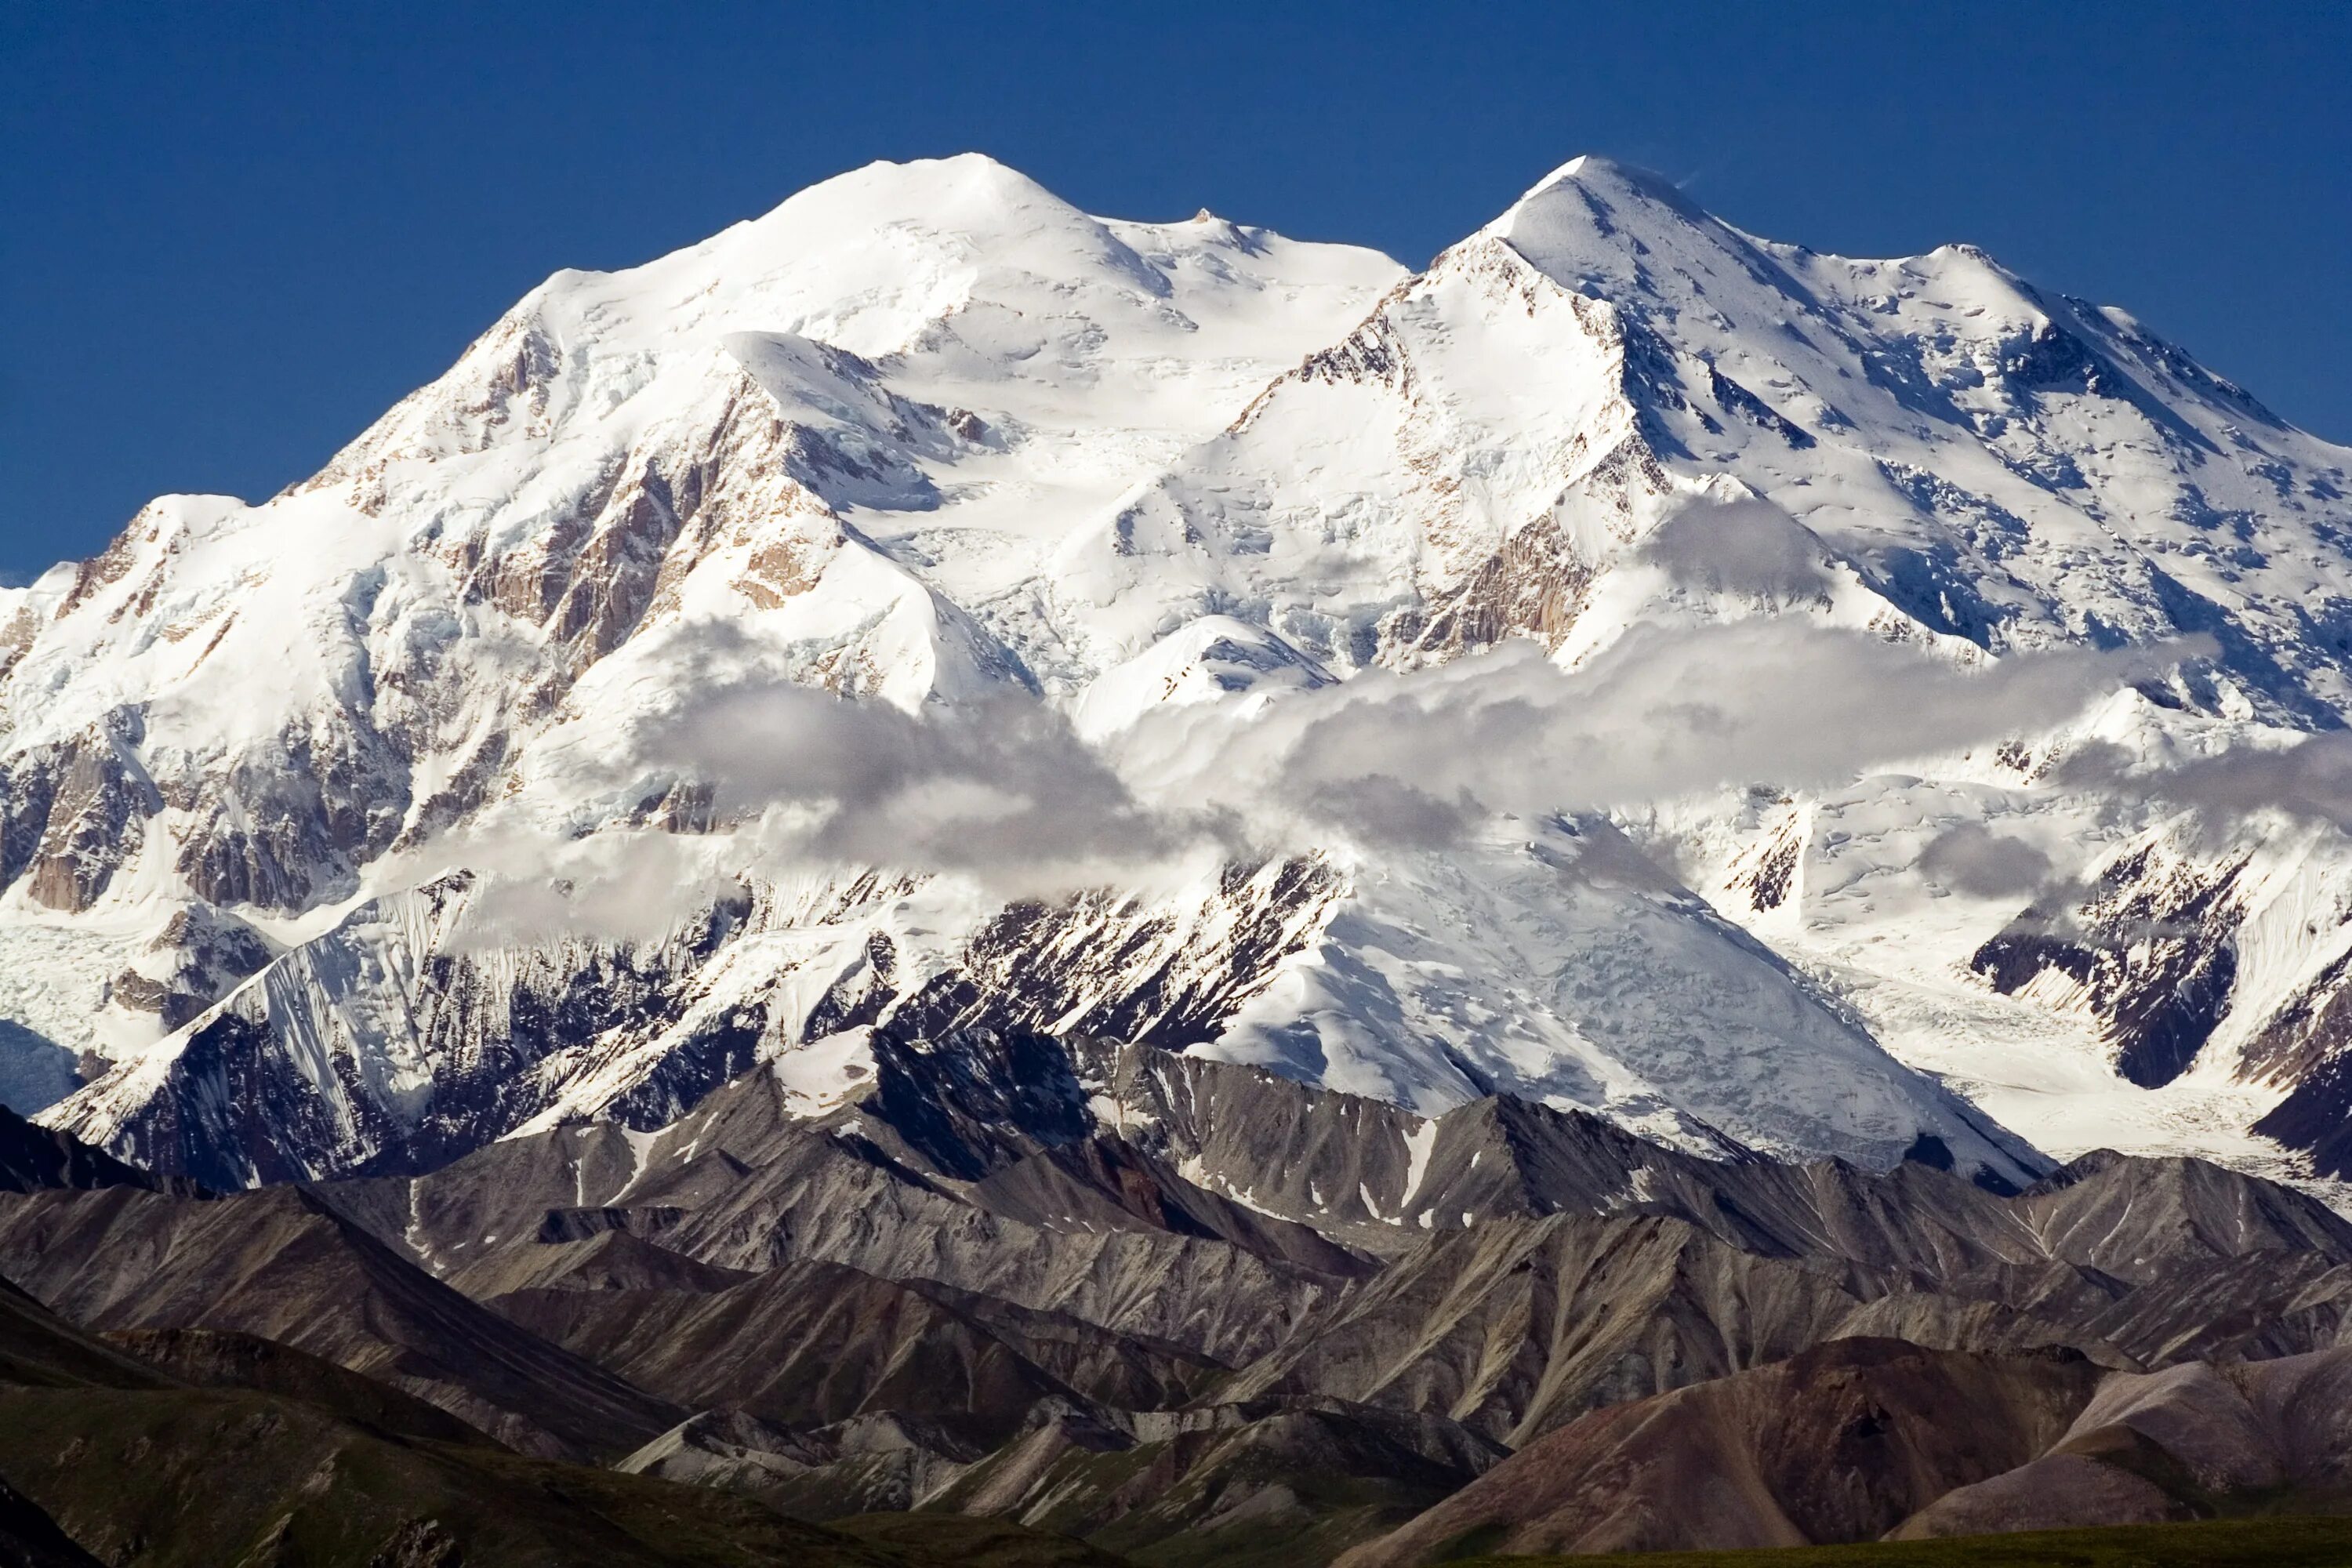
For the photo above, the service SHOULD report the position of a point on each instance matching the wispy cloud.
(2308, 780)
(1663, 713)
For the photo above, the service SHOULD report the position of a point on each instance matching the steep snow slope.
(455, 778)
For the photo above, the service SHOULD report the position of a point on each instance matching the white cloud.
(1004, 792)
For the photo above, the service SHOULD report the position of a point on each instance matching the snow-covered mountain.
(1764, 698)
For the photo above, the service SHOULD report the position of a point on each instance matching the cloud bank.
(1663, 713)
(1003, 791)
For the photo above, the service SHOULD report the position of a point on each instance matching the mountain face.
(1773, 702)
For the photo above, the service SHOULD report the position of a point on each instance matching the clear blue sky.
(231, 235)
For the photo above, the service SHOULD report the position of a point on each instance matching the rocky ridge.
(1184, 1308)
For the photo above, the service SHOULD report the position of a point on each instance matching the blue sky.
(230, 235)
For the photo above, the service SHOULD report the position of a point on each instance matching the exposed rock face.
(1514, 1328)
(2317, 1117)
(199, 956)
(2153, 949)
(436, 1047)
(1214, 1178)
(78, 810)
(1505, 1266)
